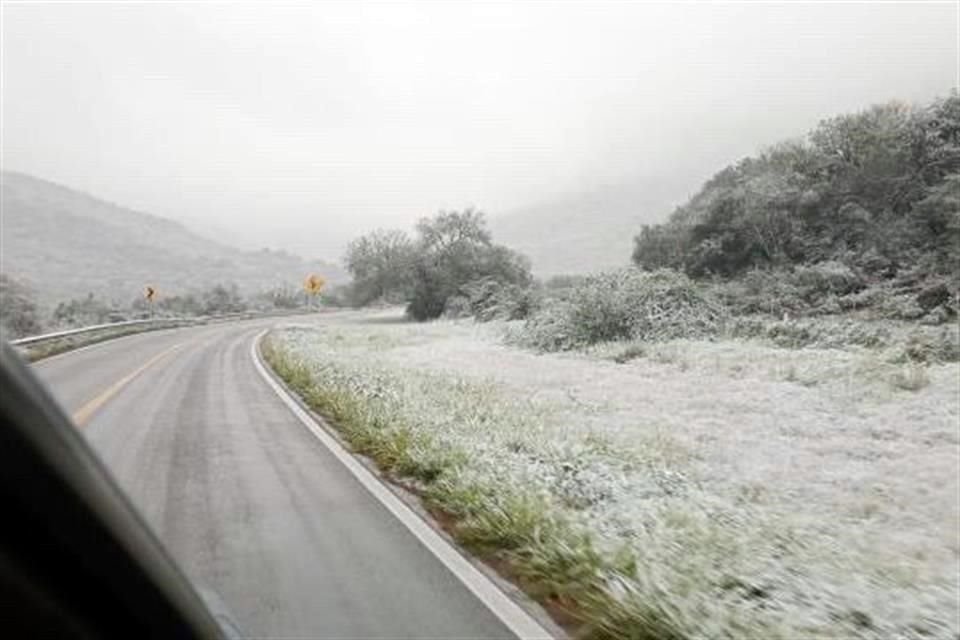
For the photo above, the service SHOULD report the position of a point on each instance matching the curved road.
(250, 504)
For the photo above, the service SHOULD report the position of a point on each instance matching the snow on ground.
(804, 474)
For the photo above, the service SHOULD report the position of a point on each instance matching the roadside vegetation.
(873, 196)
(860, 218)
(21, 315)
(448, 262)
(752, 431)
(694, 488)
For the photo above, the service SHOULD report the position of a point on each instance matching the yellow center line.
(82, 415)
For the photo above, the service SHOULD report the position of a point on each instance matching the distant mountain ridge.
(589, 231)
(65, 243)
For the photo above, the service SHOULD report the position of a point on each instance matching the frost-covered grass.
(675, 490)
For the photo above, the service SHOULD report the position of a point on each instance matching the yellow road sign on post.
(314, 284)
(150, 293)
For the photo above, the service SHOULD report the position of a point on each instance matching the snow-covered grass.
(674, 490)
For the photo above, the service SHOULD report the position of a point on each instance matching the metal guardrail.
(94, 328)
(146, 322)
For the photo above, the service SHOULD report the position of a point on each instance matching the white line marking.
(518, 621)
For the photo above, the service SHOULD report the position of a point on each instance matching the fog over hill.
(588, 231)
(64, 244)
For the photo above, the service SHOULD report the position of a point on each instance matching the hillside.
(874, 191)
(65, 244)
(589, 231)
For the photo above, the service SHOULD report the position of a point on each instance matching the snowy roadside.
(726, 488)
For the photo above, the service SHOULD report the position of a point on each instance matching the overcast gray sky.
(301, 124)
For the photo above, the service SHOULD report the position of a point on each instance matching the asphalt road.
(250, 504)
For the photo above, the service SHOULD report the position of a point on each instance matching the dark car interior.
(76, 559)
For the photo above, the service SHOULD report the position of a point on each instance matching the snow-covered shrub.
(489, 299)
(457, 307)
(904, 342)
(824, 278)
(552, 328)
(625, 304)
(761, 291)
(930, 346)
(824, 288)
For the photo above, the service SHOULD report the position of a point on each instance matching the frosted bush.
(830, 277)
(625, 304)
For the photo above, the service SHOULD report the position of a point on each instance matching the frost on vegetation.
(901, 341)
(627, 527)
(625, 304)
(638, 309)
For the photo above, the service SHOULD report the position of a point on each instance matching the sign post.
(150, 293)
(313, 285)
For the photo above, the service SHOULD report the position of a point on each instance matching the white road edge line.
(518, 621)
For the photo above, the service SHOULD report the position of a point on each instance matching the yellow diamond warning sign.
(313, 284)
